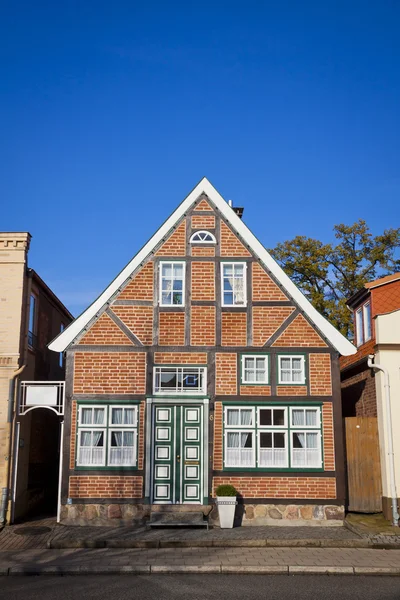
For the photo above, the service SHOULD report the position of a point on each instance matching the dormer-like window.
(363, 329)
(203, 237)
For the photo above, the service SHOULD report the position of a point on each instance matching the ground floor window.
(107, 436)
(272, 437)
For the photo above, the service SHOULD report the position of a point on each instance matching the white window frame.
(272, 426)
(212, 241)
(123, 425)
(317, 409)
(240, 429)
(273, 430)
(359, 327)
(303, 369)
(367, 334)
(306, 430)
(91, 429)
(255, 356)
(239, 408)
(160, 290)
(232, 264)
(106, 427)
(92, 425)
(176, 391)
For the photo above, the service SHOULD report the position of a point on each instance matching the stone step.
(177, 519)
(205, 509)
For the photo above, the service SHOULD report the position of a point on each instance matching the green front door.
(177, 454)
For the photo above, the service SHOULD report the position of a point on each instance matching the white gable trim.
(338, 341)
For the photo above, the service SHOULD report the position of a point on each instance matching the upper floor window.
(233, 284)
(172, 283)
(32, 325)
(254, 369)
(363, 327)
(203, 237)
(180, 380)
(291, 370)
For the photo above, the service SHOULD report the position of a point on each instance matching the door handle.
(178, 458)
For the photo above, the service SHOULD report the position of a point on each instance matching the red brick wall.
(171, 329)
(226, 373)
(320, 375)
(202, 327)
(139, 319)
(180, 358)
(255, 390)
(327, 432)
(300, 333)
(141, 286)
(110, 373)
(230, 244)
(105, 332)
(175, 245)
(203, 205)
(203, 222)
(218, 437)
(264, 288)
(266, 320)
(105, 486)
(203, 280)
(291, 390)
(203, 251)
(281, 487)
(234, 329)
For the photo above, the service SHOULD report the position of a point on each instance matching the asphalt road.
(201, 587)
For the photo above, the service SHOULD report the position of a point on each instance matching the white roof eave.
(338, 341)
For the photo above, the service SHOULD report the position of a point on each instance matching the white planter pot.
(226, 510)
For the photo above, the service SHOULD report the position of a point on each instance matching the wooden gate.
(363, 464)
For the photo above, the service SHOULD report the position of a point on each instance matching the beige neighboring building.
(30, 317)
(387, 354)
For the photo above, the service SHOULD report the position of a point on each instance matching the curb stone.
(315, 570)
(193, 569)
(261, 543)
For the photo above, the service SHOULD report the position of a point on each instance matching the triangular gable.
(105, 332)
(299, 334)
(203, 205)
(335, 338)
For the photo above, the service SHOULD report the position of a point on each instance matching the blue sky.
(111, 112)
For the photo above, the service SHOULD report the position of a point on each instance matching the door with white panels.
(177, 454)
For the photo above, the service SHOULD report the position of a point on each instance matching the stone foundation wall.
(113, 515)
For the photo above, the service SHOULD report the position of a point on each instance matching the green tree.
(328, 274)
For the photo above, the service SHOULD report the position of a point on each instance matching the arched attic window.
(203, 237)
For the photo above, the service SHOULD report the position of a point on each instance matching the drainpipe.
(393, 492)
(5, 490)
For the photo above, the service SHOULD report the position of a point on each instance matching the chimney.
(237, 209)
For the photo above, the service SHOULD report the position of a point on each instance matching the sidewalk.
(200, 560)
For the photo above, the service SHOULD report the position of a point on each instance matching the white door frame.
(148, 488)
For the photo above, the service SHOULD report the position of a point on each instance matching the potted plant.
(226, 502)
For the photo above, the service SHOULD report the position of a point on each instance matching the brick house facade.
(202, 364)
